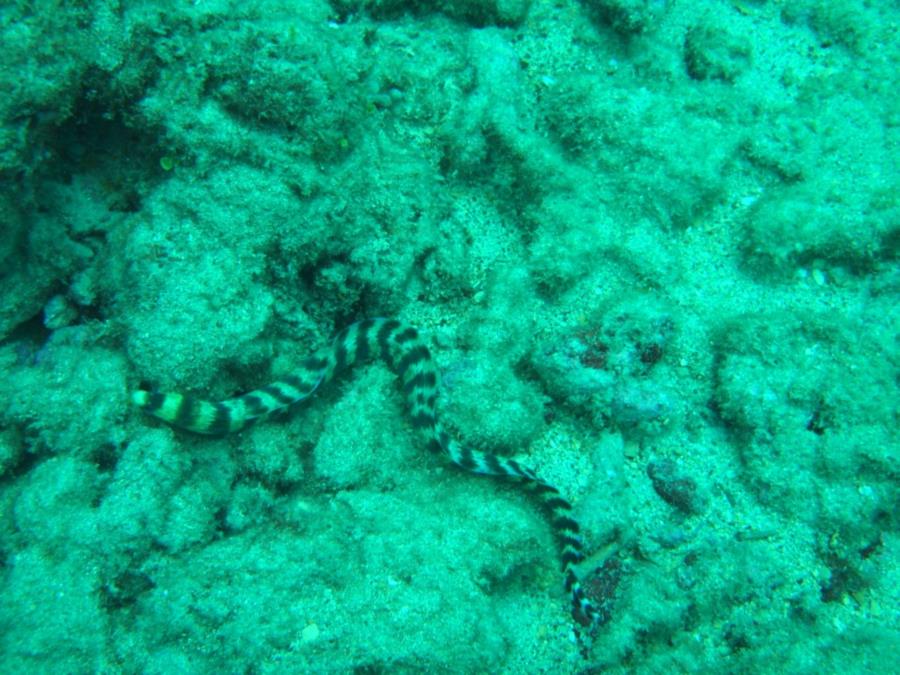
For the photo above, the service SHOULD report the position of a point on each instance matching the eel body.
(404, 352)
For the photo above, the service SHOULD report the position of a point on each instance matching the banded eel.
(408, 357)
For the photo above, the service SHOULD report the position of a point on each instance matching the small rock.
(676, 489)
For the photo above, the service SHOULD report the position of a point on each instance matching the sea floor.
(653, 247)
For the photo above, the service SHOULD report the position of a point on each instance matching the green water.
(652, 244)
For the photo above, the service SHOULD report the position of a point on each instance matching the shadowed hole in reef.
(843, 580)
(28, 339)
(96, 139)
(370, 669)
(106, 457)
(123, 591)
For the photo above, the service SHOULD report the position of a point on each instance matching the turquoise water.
(652, 245)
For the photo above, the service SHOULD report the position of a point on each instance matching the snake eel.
(404, 352)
